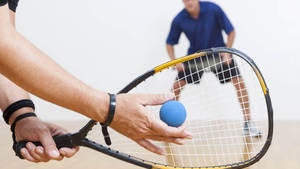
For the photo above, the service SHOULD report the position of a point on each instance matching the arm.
(172, 40)
(11, 93)
(230, 39)
(32, 70)
(226, 25)
(226, 57)
(170, 50)
(30, 128)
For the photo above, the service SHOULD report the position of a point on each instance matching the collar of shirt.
(202, 10)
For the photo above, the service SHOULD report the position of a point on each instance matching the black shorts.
(223, 72)
(12, 4)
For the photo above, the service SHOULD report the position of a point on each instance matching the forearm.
(32, 70)
(230, 39)
(11, 93)
(170, 51)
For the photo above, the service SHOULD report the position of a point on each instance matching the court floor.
(284, 152)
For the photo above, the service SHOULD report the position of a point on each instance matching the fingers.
(180, 67)
(38, 154)
(178, 141)
(164, 130)
(68, 152)
(227, 58)
(156, 99)
(39, 150)
(37, 130)
(49, 146)
(34, 154)
(27, 155)
(151, 147)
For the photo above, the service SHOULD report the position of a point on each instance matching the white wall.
(108, 43)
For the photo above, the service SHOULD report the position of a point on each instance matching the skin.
(31, 128)
(31, 69)
(193, 8)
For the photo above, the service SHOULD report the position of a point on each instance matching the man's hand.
(179, 67)
(226, 58)
(135, 121)
(33, 129)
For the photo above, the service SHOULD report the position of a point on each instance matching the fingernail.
(30, 146)
(180, 141)
(62, 152)
(23, 150)
(188, 135)
(39, 149)
(54, 153)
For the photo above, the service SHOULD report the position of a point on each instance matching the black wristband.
(110, 117)
(16, 106)
(111, 110)
(22, 116)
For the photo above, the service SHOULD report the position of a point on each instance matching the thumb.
(49, 145)
(156, 99)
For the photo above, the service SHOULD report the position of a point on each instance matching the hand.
(226, 58)
(33, 129)
(179, 67)
(135, 121)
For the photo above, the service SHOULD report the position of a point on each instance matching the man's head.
(191, 5)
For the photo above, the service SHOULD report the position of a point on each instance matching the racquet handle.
(60, 141)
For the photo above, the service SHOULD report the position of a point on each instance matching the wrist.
(17, 120)
(100, 106)
(21, 117)
(111, 110)
(172, 58)
(14, 107)
(18, 113)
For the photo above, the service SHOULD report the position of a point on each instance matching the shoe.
(251, 130)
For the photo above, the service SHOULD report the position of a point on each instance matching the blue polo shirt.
(203, 32)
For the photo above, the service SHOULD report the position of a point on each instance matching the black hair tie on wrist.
(16, 106)
(110, 117)
(13, 126)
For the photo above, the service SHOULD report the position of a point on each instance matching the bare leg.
(177, 87)
(249, 128)
(242, 94)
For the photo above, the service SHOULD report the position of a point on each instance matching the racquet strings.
(216, 114)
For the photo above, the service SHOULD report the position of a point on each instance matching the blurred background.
(107, 43)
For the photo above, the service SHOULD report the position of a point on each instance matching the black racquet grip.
(60, 141)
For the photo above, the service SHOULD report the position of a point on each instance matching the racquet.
(229, 113)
